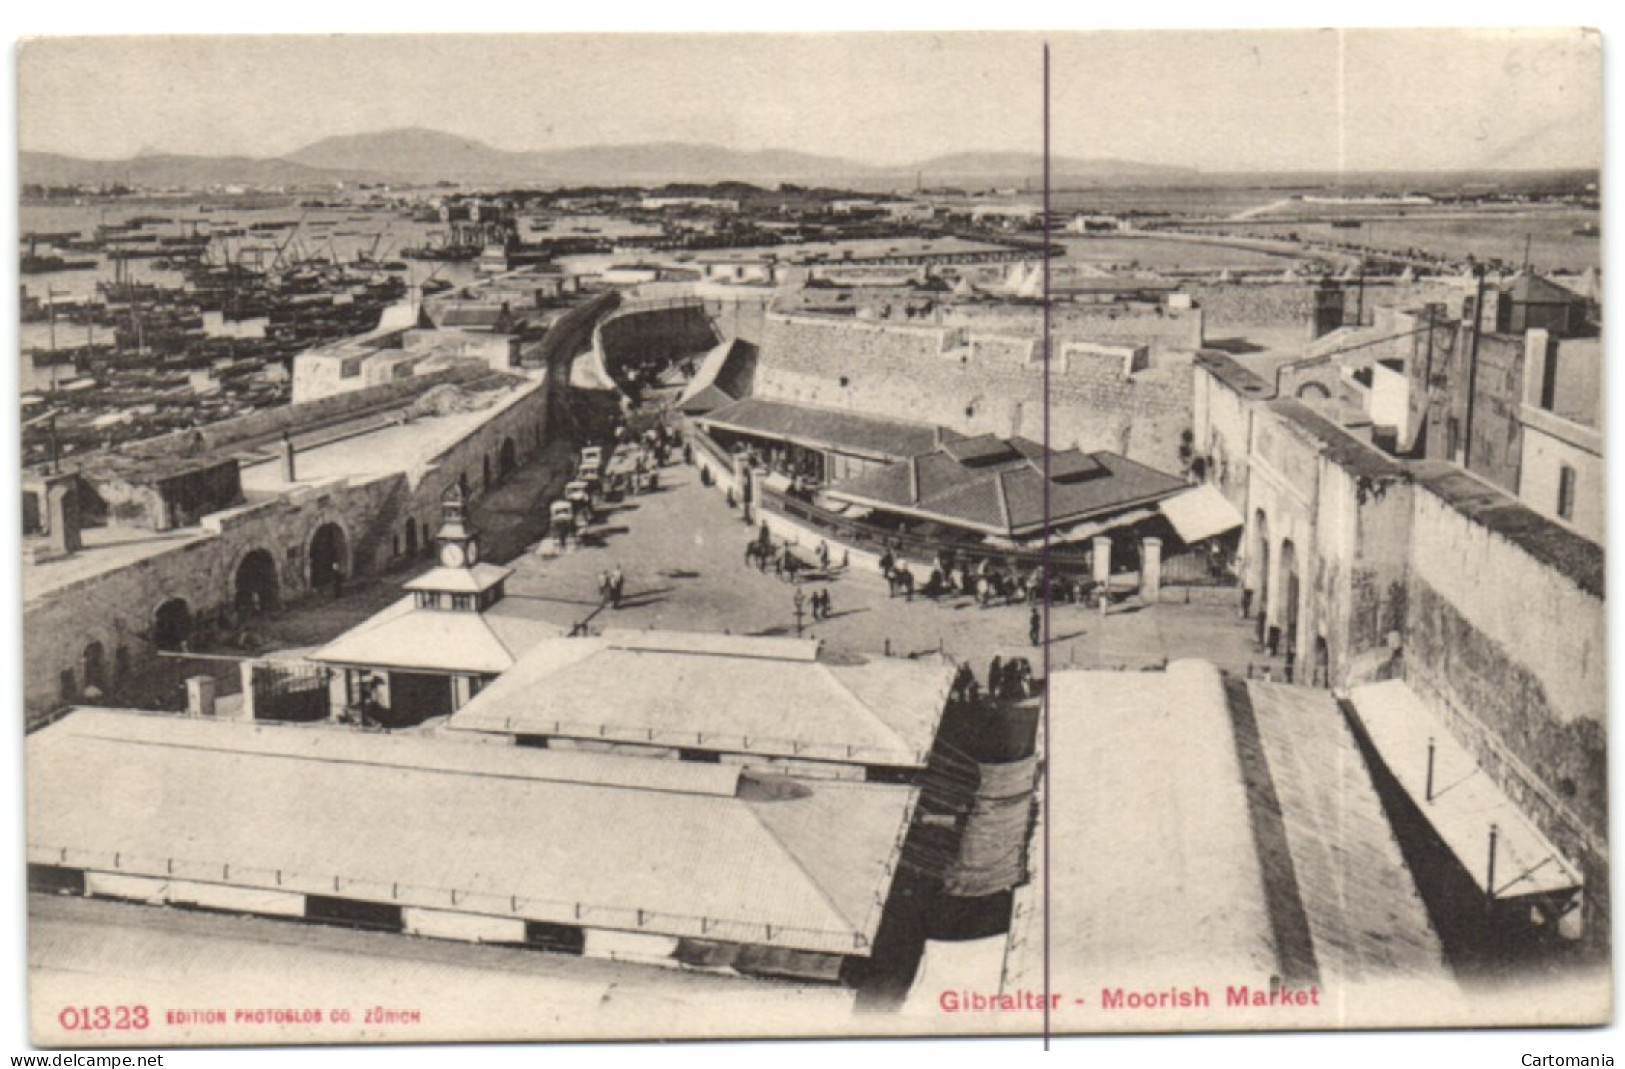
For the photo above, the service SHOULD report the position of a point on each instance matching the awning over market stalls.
(1200, 513)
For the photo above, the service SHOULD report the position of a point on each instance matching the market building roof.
(1000, 486)
(852, 433)
(765, 696)
(671, 848)
(1266, 853)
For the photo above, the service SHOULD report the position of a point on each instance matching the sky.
(1218, 101)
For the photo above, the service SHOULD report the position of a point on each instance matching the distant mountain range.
(421, 155)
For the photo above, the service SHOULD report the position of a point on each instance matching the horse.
(758, 553)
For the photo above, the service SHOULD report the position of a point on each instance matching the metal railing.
(387, 892)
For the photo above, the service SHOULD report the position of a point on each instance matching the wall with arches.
(117, 608)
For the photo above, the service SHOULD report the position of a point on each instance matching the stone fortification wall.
(1514, 652)
(975, 385)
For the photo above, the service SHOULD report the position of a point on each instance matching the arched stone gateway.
(1314, 391)
(172, 624)
(329, 557)
(1260, 571)
(1289, 587)
(256, 588)
(96, 667)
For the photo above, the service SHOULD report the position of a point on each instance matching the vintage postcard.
(544, 537)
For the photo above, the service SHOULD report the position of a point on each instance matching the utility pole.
(1472, 365)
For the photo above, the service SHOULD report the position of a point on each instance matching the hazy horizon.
(1222, 102)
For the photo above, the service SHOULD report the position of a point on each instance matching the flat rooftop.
(1155, 878)
(720, 693)
(1212, 834)
(671, 848)
(105, 549)
(392, 443)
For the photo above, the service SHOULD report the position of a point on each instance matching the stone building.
(1368, 567)
(346, 486)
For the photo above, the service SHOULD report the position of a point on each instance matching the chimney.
(288, 466)
(200, 691)
(63, 516)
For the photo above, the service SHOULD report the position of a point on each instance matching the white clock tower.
(462, 582)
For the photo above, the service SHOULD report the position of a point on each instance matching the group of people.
(985, 582)
(820, 604)
(787, 565)
(1010, 680)
(611, 586)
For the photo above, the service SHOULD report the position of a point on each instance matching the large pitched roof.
(409, 638)
(722, 377)
(1529, 288)
(664, 847)
(999, 486)
(717, 693)
(826, 428)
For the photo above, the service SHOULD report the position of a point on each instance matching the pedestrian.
(823, 555)
(338, 580)
(995, 673)
(1035, 626)
(826, 604)
(603, 586)
(887, 564)
(617, 585)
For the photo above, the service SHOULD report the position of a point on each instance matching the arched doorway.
(1314, 391)
(96, 667)
(1288, 586)
(1260, 577)
(329, 557)
(257, 590)
(171, 624)
(1323, 663)
(508, 458)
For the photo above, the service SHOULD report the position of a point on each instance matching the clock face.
(451, 555)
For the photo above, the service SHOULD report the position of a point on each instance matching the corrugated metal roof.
(1364, 919)
(699, 695)
(822, 428)
(1008, 497)
(483, 829)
